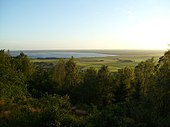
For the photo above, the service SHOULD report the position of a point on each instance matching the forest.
(66, 96)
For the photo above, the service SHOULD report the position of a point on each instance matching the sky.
(84, 24)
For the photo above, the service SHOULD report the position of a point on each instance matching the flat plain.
(120, 58)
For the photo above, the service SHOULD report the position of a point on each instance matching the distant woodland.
(65, 96)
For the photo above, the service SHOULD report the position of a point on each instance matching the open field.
(120, 60)
(114, 63)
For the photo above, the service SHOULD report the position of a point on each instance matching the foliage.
(43, 97)
(104, 86)
(121, 89)
(12, 81)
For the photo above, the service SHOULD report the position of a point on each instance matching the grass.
(123, 58)
(113, 62)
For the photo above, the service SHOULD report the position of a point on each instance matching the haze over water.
(84, 53)
(58, 54)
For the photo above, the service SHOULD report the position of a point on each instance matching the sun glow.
(152, 34)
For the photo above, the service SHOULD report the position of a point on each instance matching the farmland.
(119, 59)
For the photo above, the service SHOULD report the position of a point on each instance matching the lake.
(58, 54)
(86, 53)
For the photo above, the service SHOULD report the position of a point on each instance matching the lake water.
(58, 54)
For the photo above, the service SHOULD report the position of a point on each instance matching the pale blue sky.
(84, 24)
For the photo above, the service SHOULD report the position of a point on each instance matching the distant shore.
(56, 54)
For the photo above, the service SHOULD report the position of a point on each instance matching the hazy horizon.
(6, 49)
(85, 49)
(84, 25)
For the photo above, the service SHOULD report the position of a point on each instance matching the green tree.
(163, 85)
(72, 73)
(22, 63)
(122, 86)
(12, 82)
(88, 91)
(40, 84)
(59, 73)
(104, 86)
(143, 75)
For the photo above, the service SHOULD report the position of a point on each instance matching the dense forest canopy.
(65, 96)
